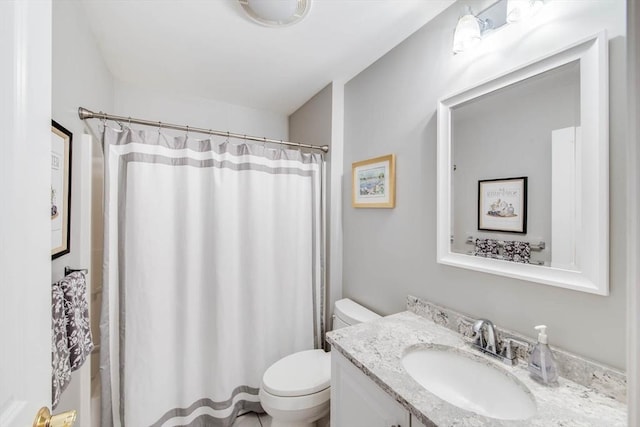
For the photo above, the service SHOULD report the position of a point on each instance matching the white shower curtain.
(213, 271)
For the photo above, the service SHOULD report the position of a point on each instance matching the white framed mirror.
(547, 122)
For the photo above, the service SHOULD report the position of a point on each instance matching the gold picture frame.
(374, 182)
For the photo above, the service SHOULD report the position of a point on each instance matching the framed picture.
(374, 182)
(60, 189)
(502, 205)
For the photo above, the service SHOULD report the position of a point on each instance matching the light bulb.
(467, 34)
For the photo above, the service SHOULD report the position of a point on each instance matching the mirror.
(523, 172)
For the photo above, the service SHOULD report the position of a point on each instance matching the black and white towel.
(517, 251)
(61, 369)
(487, 248)
(71, 329)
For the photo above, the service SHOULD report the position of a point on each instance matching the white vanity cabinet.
(356, 401)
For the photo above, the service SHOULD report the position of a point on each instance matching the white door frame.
(25, 223)
(633, 251)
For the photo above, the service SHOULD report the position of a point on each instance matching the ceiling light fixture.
(276, 13)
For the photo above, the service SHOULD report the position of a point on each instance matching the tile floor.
(251, 419)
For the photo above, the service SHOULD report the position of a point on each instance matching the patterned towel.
(72, 341)
(487, 248)
(79, 338)
(61, 372)
(517, 251)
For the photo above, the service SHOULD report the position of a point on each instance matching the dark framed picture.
(60, 190)
(502, 205)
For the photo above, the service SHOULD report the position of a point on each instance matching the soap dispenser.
(542, 364)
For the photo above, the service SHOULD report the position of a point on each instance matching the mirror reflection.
(516, 172)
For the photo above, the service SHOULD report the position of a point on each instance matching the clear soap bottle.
(542, 364)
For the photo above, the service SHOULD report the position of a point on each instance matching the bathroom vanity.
(356, 400)
(370, 385)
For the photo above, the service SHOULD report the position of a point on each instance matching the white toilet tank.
(347, 312)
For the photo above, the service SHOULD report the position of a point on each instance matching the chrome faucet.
(489, 344)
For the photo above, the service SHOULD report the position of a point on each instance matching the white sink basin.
(470, 382)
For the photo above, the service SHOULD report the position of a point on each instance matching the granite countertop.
(377, 348)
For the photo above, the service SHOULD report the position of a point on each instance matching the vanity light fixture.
(519, 10)
(467, 34)
(276, 13)
(472, 28)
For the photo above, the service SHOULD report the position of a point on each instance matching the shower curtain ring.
(186, 134)
(159, 127)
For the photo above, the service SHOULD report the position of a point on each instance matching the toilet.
(295, 390)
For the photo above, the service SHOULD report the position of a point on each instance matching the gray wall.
(391, 108)
(503, 135)
(311, 124)
(80, 78)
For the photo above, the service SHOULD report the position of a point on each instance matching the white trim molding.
(592, 275)
(633, 212)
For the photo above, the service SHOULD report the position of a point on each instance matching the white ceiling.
(210, 49)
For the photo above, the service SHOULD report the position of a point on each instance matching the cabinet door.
(356, 401)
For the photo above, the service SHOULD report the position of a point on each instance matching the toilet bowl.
(295, 390)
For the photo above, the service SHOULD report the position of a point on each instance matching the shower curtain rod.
(85, 114)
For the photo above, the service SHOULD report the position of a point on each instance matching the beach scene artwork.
(371, 182)
(374, 182)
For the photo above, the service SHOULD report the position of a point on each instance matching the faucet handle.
(513, 349)
(507, 349)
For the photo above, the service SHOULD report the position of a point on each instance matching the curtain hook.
(186, 134)
(159, 127)
(264, 141)
(129, 122)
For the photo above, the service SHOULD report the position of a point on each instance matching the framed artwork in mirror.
(502, 205)
(60, 189)
(374, 182)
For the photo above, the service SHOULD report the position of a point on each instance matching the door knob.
(45, 419)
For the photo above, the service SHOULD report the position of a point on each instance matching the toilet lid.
(299, 374)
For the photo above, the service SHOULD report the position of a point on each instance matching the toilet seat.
(299, 374)
(294, 403)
